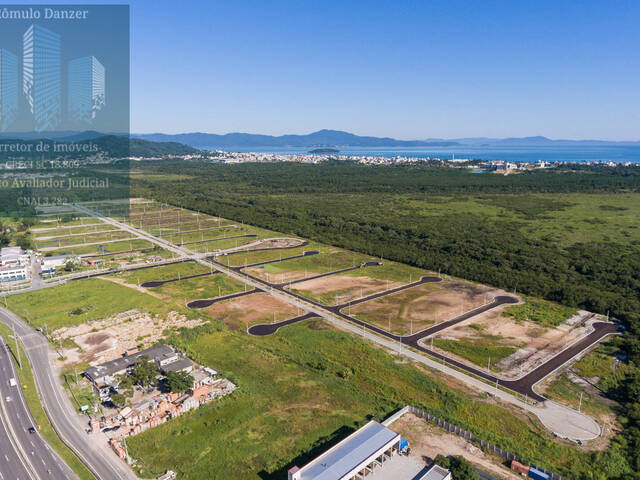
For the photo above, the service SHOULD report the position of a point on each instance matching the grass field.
(545, 313)
(167, 272)
(301, 389)
(74, 240)
(202, 287)
(566, 392)
(480, 350)
(93, 299)
(108, 248)
(566, 218)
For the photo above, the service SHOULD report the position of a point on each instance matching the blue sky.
(403, 69)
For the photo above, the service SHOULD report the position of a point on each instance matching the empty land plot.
(252, 309)
(205, 233)
(341, 288)
(209, 286)
(594, 376)
(423, 305)
(512, 346)
(392, 271)
(328, 260)
(120, 246)
(221, 244)
(245, 258)
(104, 340)
(73, 240)
(56, 232)
(167, 272)
(66, 221)
(81, 301)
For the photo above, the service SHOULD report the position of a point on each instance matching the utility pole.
(15, 337)
(580, 404)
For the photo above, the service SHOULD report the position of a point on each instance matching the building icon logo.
(41, 76)
(8, 88)
(86, 94)
(47, 104)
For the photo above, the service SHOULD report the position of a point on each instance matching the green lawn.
(201, 287)
(563, 390)
(108, 247)
(167, 272)
(478, 350)
(545, 313)
(93, 298)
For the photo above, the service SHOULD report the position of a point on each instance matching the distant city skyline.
(408, 70)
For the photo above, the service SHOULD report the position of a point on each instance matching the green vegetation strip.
(539, 311)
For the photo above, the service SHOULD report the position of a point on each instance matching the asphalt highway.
(42, 461)
(102, 462)
(12, 466)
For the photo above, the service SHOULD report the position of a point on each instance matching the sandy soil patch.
(343, 288)
(103, 340)
(251, 310)
(279, 277)
(424, 305)
(540, 343)
(121, 281)
(427, 441)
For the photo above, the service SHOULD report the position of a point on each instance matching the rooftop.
(119, 364)
(436, 473)
(349, 453)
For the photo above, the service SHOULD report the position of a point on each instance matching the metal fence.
(461, 432)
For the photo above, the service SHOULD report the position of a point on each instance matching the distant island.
(324, 151)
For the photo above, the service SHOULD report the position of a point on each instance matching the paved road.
(206, 302)
(12, 465)
(158, 283)
(103, 463)
(38, 455)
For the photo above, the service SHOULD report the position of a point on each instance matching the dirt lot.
(540, 343)
(251, 310)
(342, 288)
(103, 340)
(427, 441)
(279, 277)
(424, 305)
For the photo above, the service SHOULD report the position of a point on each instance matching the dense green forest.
(571, 234)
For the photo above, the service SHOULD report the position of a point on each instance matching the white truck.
(12, 382)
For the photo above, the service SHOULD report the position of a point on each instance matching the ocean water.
(551, 153)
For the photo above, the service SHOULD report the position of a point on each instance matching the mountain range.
(321, 138)
(337, 138)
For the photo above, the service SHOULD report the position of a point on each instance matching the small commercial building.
(355, 457)
(14, 274)
(49, 264)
